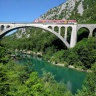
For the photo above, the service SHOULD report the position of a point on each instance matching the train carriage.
(55, 21)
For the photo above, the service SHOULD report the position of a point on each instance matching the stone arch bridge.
(7, 27)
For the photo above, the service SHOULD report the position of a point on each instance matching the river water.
(73, 79)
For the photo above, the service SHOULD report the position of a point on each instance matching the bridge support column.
(52, 28)
(90, 33)
(65, 36)
(59, 30)
(73, 36)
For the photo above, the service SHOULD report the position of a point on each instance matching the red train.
(55, 21)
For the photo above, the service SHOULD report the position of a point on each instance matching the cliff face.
(80, 10)
(63, 11)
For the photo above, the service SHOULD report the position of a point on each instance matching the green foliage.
(91, 80)
(57, 89)
(18, 80)
(83, 55)
(3, 56)
(90, 88)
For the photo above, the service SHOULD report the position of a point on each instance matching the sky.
(25, 10)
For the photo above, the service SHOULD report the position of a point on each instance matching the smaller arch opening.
(82, 33)
(69, 31)
(56, 29)
(50, 27)
(2, 27)
(94, 33)
(8, 26)
(62, 31)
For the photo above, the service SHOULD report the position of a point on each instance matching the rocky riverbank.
(70, 66)
(29, 52)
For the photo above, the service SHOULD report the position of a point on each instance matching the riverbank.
(56, 64)
(71, 67)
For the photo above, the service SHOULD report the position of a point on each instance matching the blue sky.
(25, 10)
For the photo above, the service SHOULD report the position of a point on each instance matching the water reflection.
(69, 86)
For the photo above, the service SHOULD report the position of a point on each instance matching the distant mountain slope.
(81, 10)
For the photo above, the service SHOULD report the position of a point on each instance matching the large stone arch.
(4, 32)
(82, 32)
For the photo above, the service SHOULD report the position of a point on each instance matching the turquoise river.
(73, 79)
